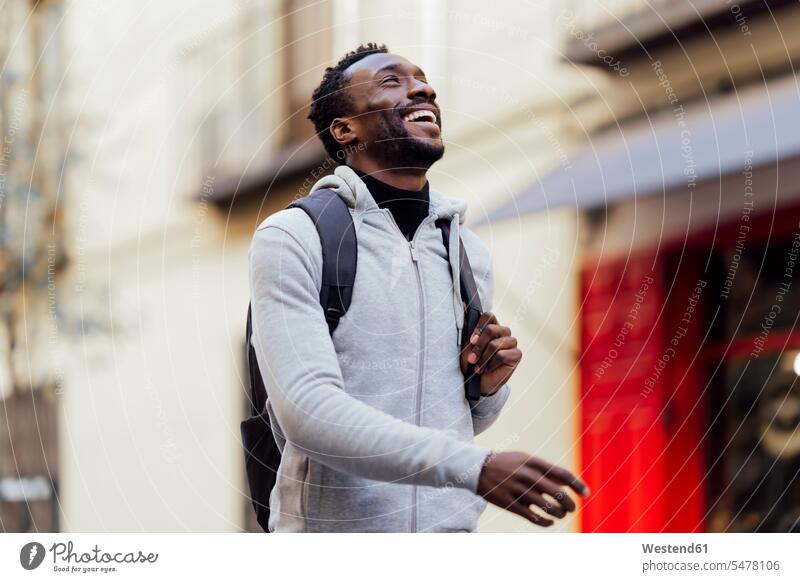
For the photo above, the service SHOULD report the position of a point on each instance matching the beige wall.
(152, 393)
(149, 425)
(536, 295)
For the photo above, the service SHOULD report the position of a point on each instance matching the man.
(379, 434)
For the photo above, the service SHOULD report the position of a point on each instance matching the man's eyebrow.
(397, 67)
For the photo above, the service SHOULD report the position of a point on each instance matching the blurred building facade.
(568, 140)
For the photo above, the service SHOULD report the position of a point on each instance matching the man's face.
(394, 115)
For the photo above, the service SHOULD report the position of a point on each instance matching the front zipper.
(418, 399)
(421, 362)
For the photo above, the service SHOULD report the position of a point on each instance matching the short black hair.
(330, 100)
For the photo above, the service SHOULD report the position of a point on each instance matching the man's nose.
(421, 89)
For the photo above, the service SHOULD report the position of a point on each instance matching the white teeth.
(428, 115)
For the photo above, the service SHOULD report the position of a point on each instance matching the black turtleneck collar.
(408, 207)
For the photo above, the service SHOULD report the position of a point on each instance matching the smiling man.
(375, 429)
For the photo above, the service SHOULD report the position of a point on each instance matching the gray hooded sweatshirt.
(375, 431)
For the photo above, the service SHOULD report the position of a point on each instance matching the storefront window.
(754, 444)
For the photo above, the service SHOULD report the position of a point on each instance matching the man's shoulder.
(289, 226)
(294, 221)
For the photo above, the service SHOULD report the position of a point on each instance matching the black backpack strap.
(337, 234)
(258, 392)
(472, 307)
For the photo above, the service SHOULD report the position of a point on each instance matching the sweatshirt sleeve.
(487, 409)
(304, 382)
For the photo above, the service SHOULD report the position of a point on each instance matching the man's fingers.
(560, 496)
(544, 485)
(564, 477)
(484, 320)
(521, 509)
(491, 349)
(479, 341)
(559, 474)
(503, 358)
(533, 498)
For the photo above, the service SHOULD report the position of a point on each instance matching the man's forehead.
(374, 63)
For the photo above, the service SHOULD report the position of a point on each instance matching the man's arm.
(304, 381)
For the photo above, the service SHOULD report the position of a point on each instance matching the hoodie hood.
(346, 183)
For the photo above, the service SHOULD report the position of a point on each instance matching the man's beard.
(403, 150)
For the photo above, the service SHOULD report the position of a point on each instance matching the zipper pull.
(414, 255)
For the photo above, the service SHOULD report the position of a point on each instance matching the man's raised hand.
(494, 352)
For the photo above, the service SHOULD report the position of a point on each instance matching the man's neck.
(405, 178)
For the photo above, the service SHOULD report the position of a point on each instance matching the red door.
(633, 441)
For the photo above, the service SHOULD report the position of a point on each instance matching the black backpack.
(337, 235)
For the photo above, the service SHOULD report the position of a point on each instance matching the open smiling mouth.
(423, 118)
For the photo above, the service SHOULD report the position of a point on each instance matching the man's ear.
(343, 131)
